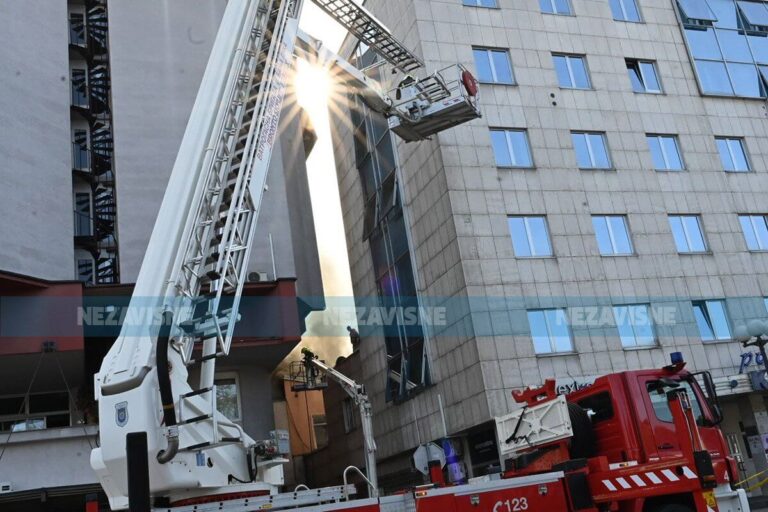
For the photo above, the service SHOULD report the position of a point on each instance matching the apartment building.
(94, 108)
(606, 211)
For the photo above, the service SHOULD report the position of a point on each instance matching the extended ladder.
(360, 23)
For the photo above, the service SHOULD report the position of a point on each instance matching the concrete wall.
(49, 458)
(459, 222)
(159, 51)
(36, 192)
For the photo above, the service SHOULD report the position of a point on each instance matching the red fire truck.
(635, 441)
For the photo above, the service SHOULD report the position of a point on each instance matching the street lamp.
(754, 334)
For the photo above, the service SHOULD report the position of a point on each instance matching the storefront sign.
(759, 381)
(749, 358)
(568, 386)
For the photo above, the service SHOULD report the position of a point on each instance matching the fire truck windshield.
(658, 396)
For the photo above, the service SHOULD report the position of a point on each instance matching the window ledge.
(569, 15)
(747, 171)
(557, 354)
(652, 93)
(638, 22)
(564, 88)
(718, 342)
(599, 169)
(671, 170)
(699, 253)
(513, 84)
(643, 347)
(515, 168)
(535, 257)
(628, 255)
(758, 251)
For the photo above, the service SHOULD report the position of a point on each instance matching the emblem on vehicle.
(121, 414)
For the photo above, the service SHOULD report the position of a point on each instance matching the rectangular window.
(732, 154)
(530, 237)
(79, 84)
(320, 428)
(625, 10)
(635, 325)
(349, 411)
(550, 331)
(755, 229)
(480, 3)
(80, 160)
(689, 237)
(35, 411)
(665, 152)
(555, 6)
(712, 320)
(76, 29)
(591, 150)
(642, 74)
(85, 270)
(83, 214)
(612, 235)
(754, 16)
(511, 148)
(493, 66)
(571, 71)
(227, 396)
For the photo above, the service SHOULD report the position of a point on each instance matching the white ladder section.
(282, 501)
(363, 25)
(213, 269)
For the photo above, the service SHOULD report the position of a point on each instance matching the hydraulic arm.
(309, 376)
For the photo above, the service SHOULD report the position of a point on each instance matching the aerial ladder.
(159, 434)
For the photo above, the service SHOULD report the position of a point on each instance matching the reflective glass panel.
(746, 81)
(713, 77)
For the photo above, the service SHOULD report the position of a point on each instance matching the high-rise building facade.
(95, 104)
(606, 211)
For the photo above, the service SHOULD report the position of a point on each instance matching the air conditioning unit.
(5, 487)
(257, 277)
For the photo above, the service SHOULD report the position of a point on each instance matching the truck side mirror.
(711, 395)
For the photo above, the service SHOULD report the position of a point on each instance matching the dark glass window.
(728, 40)
(386, 231)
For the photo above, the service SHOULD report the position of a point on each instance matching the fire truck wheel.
(674, 507)
(583, 440)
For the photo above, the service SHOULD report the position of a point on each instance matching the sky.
(312, 88)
